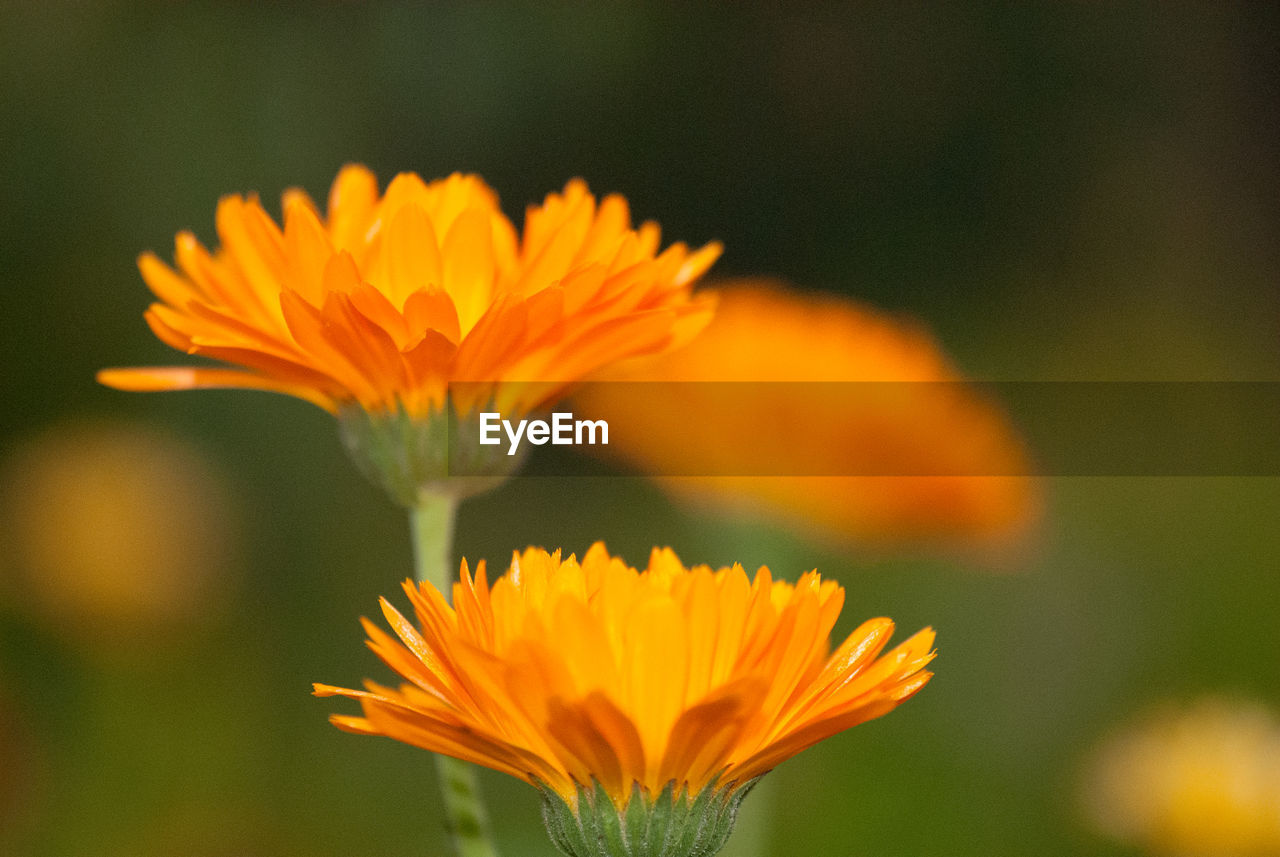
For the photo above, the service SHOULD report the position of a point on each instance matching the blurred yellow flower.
(764, 334)
(567, 674)
(113, 529)
(1198, 782)
(389, 298)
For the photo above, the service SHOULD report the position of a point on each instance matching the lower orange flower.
(594, 679)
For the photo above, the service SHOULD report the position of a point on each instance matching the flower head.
(404, 312)
(570, 674)
(389, 299)
(1203, 781)
(814, 386)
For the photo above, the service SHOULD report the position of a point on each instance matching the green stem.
(431, 522)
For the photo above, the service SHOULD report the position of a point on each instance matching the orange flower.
(568, 674)
(943, 435)
(390, 299)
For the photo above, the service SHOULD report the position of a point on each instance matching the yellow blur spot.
(1199, 782)
(114, 530)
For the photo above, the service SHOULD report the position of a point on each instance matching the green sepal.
(609, 821)
(696, 820)
(438, 453)
(659, 817)
(680, 808)
(672, 824)
(562, 824)
(636, 819)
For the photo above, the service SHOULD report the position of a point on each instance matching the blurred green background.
(1070, 191)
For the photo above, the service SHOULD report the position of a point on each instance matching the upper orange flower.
(389, 299)
(566, 674)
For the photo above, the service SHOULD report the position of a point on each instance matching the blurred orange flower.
(1203, 781)
(113, 530)
(567, 674)
(389, 298)
(946, 439)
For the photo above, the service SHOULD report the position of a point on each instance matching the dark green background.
(1066, 191)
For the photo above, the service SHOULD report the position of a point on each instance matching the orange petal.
(468, 265)
(165, 283)
(307, 249)
(411, 256)
(187, 378)
(351, 203)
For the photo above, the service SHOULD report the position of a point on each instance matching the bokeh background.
(1076, 191)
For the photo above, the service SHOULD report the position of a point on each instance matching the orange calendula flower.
(874, 436)
(390, 297)
(394, 305)
(606, 686)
